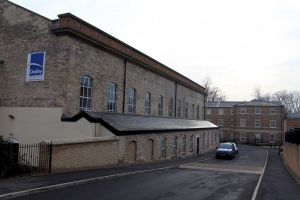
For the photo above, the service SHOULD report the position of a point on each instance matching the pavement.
(276, 183)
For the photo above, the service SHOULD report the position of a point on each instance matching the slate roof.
(295, 115)
(126, 124)
(228, 104)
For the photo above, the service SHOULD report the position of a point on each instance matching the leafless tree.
(213, 93)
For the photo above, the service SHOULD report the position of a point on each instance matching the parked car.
(227, 149)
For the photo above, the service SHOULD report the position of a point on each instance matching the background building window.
(272, 138)
(132, 100)
(198, 112)
(272, 111)
(243, 136)
(160, 105)
(257, 123)
(257, 137)
(179, 109)
(257, 111)
(243, 110)
(221, 111)
(170, 107)
(85, 93)
(232, 111)
(148, 103)
(272, 123)
(221, 122)
(242, 122)
(208, 111)
(186, 110)
(112, 98)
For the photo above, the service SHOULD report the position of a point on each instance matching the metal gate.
(25, 159)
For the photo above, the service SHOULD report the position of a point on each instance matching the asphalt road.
(213, 179)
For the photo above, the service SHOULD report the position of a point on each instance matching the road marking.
(226, 168)
(260, 178)
(83, 181)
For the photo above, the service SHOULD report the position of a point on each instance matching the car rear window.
(225, 146)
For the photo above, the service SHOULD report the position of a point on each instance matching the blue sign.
(36, 66)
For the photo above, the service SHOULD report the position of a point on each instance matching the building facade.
(255, 121)
(53, 70)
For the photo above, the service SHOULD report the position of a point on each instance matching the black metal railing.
(25, 159)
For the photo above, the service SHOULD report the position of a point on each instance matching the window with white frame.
(232, 122)
(221, 122)
(232, 111)
(242, 122)
(184, 144)
(257, 111)
(242, 136)
(132, 100)
(257, 137)
(160, 105)
(198, 112)
(257, 123)
(179, 109)
(272, 111)
(148, 103)
(112, 97)
(85, 93)
(243, 110)
(221, 111)
(272, 123)
(193, 111)
(170, 107)
(186, 110)
(208, 111)
(163, 147)
(175, 145)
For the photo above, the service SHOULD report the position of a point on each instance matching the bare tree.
(212, 93)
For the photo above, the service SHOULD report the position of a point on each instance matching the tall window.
(163, 147)
(112, 98)
(132, 100)
(257, 123)
(257, 111)
(221, 122)
(208, 111)
(243, 136)
(179, 109)
(175, 144)
(221, 111)
(186, 110)
(85, 93)
(242, 122)
(193, 111)
(272, 111)
(192, 142)
(148, 103)
(272, 123)
(170, 107)
(243, 110)
(160, 105)
(198, 112)
(184, 144)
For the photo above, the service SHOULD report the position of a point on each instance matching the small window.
(186, 110)
(179, 109)
(163, 147)
(243, 110)
(160, 105)
(272, 123)
(242, 122)
(272, 111)
(198, 112)
(242, 136)
(257, 137)
(170, 107)
(148, 103)
(132, 100)
(112, 98)
(257, 111)
(221, 122)
(208, 111)
(257, 123)
(85, 93)
(221, 111)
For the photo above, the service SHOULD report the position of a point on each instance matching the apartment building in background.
(255, 121)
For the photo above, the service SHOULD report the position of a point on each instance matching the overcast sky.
(239, 44)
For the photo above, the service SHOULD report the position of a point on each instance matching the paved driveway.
(213, 179)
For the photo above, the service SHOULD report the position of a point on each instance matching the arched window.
(85, 93)
(112, 97)
(192, 142)
(132, 100)
(163, 147)
(175, 144)
(148, 103)
(184, 144)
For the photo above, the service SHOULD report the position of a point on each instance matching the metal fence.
(25, 159)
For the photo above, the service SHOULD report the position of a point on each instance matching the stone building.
(255, 121)
(65, 80)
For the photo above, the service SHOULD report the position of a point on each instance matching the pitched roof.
(295, 115)
(222, 104)
(228, 104)
(256, 102)
(126, 124)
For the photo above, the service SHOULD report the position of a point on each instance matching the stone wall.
(291, 155)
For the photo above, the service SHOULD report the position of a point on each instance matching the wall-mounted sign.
(36, 66)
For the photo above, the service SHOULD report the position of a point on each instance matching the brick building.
(59, 77)
(291, 121)
(247, 122)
